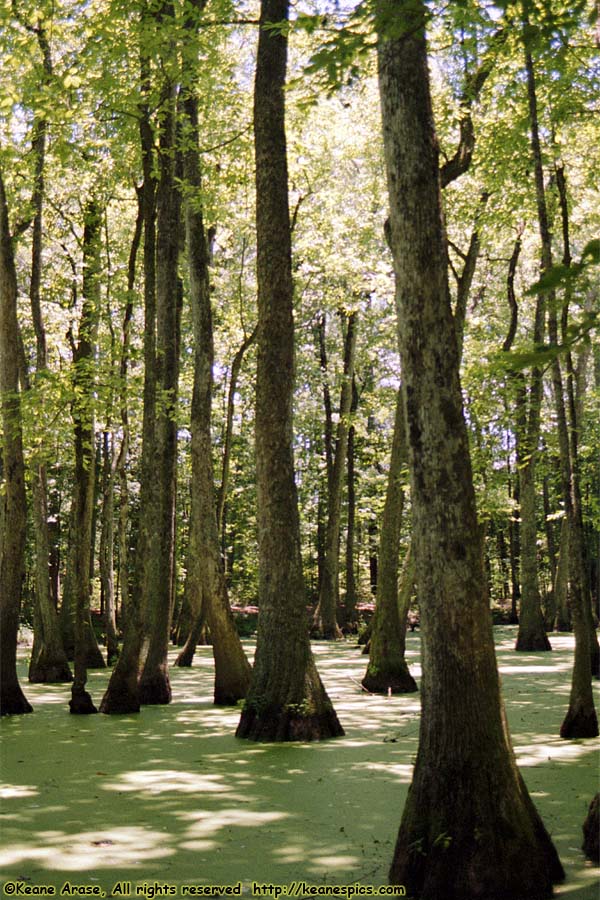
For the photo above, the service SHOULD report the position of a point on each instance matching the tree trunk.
(122, 694)
(532, 630)
(232, 669)
(184, 659)
(387, 669)
(85, 455)
(532, 635)
(469, 830)
(325, 621)
(49, 662)
(154, 685)
(561, 582)
(351, 598)
(107, 534)
(287, 700)
(14, 513)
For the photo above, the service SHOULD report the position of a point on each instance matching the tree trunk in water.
(122, 694)
(184, 659)
(287, 700)
(561, 582)
(387, 669)
(107, 577)
(325, 620)
(532, 634)
(14, 513)
(49, 664)
(85, 456)
(532, 630)
(591, 831)
(232, 669)
(154, 684)
(469, 830)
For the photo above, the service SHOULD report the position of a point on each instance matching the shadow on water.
(171, 796)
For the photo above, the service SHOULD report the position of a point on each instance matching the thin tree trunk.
(14, 508)
(325, 621)
(532, 634)
(85, 455)
(236, 367)
(232, 669)
(351, 598)
(287, 700)
(122, 694)
(562, 621)
(107, 536)
(387, 669)
(466, 788)
(49, 662)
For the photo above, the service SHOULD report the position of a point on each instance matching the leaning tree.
(469, 828)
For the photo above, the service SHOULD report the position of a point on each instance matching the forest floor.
(171, 797)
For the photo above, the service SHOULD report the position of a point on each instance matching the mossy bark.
(469, 830)
(286, 700)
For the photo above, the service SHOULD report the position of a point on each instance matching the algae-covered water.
(169, 802)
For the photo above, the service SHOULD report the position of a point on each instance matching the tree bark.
(107, 536)
(122, 694)
(14, 513)
(469, 829)
(351, 598)
(154, 684)
(532, 633)
(232, 669)
(287, 700)
(562, 621)
(387, 669)
(325, 619)
(85, 455)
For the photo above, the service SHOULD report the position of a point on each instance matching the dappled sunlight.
(160, 781)
(17, 791)
(102, 849)
(170, 794)
(209, 822)
(333, 862)
(533, 754)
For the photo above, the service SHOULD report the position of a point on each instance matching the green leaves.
(563, 276)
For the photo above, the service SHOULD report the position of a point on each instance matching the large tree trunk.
(387, 669)
(469, 830)
(325, 619)
(232, 669)
(14, 513)
(154, 685)
(287, 700)
(85, 456)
